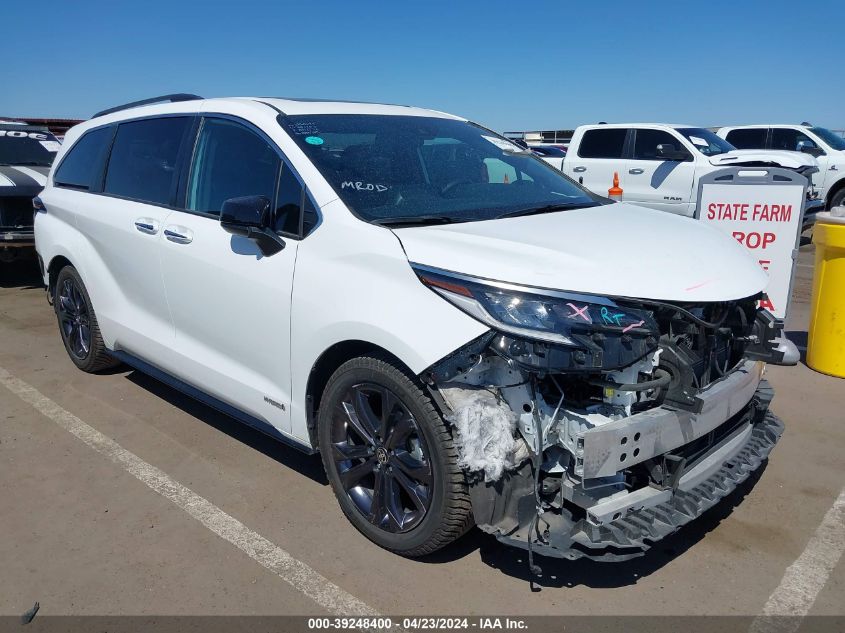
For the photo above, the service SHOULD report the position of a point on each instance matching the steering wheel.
(454, 183)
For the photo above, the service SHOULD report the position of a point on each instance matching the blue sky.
(510, 65)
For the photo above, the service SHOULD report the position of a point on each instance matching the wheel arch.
(835, 188)
(326, 364)
(56, 264)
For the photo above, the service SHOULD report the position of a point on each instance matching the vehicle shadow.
(559, 573)
(308, 465)
(511, 561)
(21, 273)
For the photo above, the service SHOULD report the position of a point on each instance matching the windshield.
(393, 169)
(706, 141)
(21, 146)
(831, 138)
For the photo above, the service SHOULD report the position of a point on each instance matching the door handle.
(178, 234)
(579, 169)
(146, 225)
(833, 168)
(636, 171)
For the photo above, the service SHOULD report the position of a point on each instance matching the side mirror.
(250, 217)
(667, 151)
(810, 148)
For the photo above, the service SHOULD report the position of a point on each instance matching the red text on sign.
(754, 239)
(743, 212)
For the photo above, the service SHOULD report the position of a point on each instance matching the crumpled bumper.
(650, 514)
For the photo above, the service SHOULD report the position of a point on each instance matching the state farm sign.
(766, 219)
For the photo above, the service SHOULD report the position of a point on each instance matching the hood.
(790, 160)
(616, 249)
(22, 180)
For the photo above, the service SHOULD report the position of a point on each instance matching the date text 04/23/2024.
(418, 623)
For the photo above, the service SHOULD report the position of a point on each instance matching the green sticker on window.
(313, 140)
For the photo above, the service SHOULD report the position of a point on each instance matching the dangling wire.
(537, 463)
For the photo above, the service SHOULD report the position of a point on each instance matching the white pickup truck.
(827, 147)
(659, 165)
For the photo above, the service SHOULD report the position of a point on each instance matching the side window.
(603, 143)
(83, 165)
(788, 139)
(754, 138)
(230, 161)
(645, 145)
(288, 203)
(499, 171)
(143, 164)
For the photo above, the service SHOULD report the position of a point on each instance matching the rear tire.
(390, 458)
(78, 323)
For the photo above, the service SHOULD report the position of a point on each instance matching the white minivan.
(463, 333)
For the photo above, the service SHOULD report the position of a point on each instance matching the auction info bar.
(530, 624)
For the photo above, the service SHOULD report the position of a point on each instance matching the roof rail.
(179, 96)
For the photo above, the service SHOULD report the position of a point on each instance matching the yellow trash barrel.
(826, 340)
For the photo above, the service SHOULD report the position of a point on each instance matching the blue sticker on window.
(313, 140)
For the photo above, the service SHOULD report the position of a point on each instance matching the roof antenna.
(806, 123)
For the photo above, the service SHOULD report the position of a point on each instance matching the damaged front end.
(595, 426)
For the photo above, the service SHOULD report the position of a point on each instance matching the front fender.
(353, 282)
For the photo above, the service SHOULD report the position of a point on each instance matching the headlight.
(558, 317)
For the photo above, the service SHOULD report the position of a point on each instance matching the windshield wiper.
(26, 163)
(410, 220)
(545, 209)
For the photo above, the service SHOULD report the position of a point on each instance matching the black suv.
(26, 153)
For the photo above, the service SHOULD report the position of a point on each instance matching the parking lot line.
(264, 552)
(806, 577)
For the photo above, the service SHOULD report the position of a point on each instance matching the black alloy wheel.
(380, 456)
(78, 323)
(74, 319)
(390, 458)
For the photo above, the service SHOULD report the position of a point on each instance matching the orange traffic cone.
(615, 192)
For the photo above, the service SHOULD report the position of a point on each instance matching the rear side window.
(606, 143)
(748, 138)
(82, 167)
(231, 161)
(143, 162)
(645, 145)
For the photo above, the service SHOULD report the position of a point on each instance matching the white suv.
(828, 148)
(462, 332)
(659, 165)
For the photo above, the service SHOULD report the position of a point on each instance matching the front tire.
(78, 323)
(838, 198)
(390, 458)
